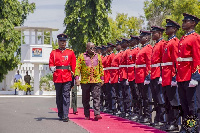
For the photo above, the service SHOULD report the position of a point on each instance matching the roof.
(40, 29)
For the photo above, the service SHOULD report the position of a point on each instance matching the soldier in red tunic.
(103, 101)
(142, 70)
(107, 65)
(62, 63)
(169, 85)
(188, 71)
(155, 85)
(123, 68)
(117, 96)
(133, 51)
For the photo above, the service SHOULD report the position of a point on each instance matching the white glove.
(127, 83)
(193, 83)
(146, 82)
(173, 83)
(160, 80)
(53, 69)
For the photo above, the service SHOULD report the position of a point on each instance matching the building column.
(36, 80)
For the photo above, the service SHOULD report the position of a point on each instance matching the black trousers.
(74, 98)
(109, 95)
(198, 102)
(103, 98)
(63, 98)
(158, 99)
(95, 89)
(135, 96)
(171, 101)
(114, 98)
(119, 95)
(186, 95)
(126, 96)
(144, 98)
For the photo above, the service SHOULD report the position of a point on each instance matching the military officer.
(123, 68)
(142, 73)
(155, 85)
(104, 106)
(188, 65)
(133, 51)
(114, 80)
(62, 63)
(169, 65)
(107, 68)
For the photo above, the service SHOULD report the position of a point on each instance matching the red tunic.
(131, 62)
(170, 52)
(114, 73)
(143, 62)
(156, 59)
(123, 65)
(62, 58)
(188, 48)
(106, 72)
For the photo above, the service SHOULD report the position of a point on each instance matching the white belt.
(143, 65)
(155, 65)
(123, 65)
(109, 68)
(167, 64)
(131, 65)
(184, 59)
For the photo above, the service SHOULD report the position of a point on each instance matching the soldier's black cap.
(103, 47)
(118, 42)
(190, 17)
(124, 40)
(171, 23)
(157, 28)
(144, 32)
(134, 37)
(97, 47)
(62, 37)
(110, 45)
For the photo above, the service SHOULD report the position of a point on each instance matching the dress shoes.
(158, 124)
(145, 120)
(172, 128)
(75, 112)
(87, 118)
(134, 118)
(97, 117)
(66, 119)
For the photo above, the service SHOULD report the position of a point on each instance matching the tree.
(157, 11)
(124, 26)
(87, 20)
(12, 13)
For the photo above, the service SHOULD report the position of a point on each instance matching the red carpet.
(109, 124)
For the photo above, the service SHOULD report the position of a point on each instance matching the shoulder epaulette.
(69, 49)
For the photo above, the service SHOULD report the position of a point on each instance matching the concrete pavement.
(32, 114)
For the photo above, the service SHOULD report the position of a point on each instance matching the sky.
(50, 13)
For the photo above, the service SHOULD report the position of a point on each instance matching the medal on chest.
(130, 57)
(165, 50)
(66, 57)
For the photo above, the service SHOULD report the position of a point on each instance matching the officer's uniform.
(114, 80)
(109, 89)
(124, 80)
(169, 87)
(156, 59)
(104, 101)
(131, 75)
(188, 68)
(63, 63)
(142, 69)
